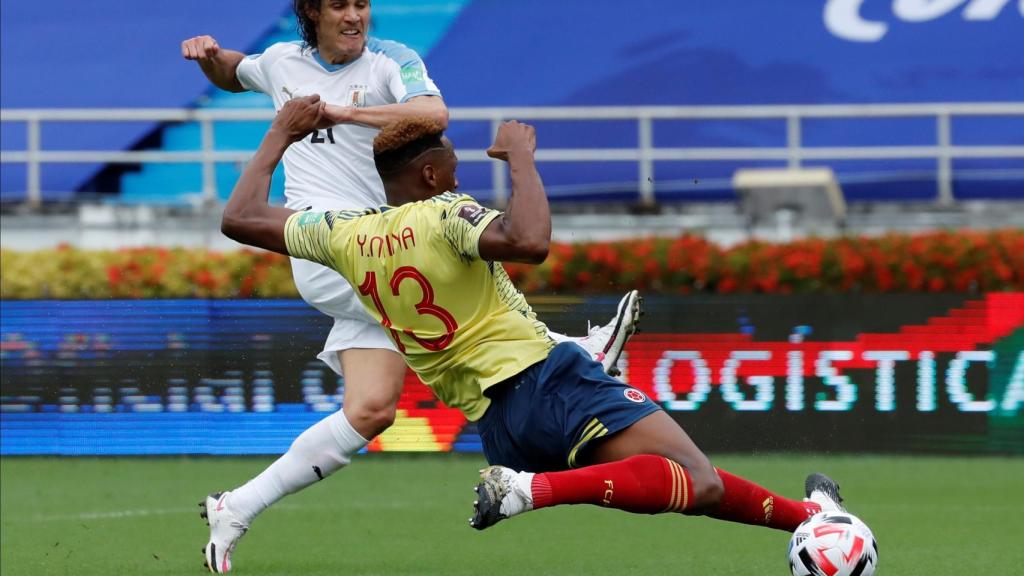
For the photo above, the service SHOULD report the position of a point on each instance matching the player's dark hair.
(307, 27)
(401, 142)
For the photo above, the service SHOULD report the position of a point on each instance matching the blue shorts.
(542, 419)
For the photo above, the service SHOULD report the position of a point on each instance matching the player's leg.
(649, 468)
(605, 343)
(373, 384)
(715, 492)
(319, 451)
(550, 418)
(657, 438)
(653, 467)
(374, 376)
(636, 457)
(646, 467)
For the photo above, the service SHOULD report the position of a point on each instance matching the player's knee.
(381, 417)
(371, 418)
(707, 489)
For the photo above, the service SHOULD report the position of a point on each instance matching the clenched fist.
(513, 136)
(300, 116)
(202, 48)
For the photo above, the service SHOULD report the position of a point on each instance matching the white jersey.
(333, 169)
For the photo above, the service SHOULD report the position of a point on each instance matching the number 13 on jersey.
(425, 307)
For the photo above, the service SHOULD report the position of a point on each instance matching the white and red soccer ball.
(833, 544)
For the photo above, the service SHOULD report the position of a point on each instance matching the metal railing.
(645, 154)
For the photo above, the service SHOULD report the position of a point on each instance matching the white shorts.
(328, 292)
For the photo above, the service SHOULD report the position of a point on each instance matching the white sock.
(324, 448)
(522, 487)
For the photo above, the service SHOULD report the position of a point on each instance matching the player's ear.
(429, 175)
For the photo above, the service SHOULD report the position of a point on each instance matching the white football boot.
(824, 492)
(605, 343)
(502, 494)
(225, 531)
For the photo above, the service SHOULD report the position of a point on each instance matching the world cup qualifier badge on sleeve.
(472, 214)
(412, 74)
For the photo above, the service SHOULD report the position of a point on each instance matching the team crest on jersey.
(472, 214)
(356, 95)
(634, 395)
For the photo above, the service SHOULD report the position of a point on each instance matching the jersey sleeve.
(307, 235)
(462, 223)
(252, 73)
(408, 78)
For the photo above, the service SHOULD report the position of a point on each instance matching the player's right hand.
(513, 136)
(201, 48)
(300, 116)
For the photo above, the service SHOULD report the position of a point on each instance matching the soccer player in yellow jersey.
(555, 428)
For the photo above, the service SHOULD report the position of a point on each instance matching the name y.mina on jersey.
(458, 320)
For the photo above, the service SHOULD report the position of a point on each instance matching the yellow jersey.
(458, 320)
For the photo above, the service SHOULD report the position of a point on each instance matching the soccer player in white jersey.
(368, 83)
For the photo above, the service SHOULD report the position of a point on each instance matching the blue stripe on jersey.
(409, 63)
(423, 92)
(327, 65)
(396, 51)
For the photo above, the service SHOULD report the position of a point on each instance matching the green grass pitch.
(390, 514)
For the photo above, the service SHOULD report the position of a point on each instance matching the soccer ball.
(833, 544)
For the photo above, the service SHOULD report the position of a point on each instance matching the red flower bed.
(967, 261)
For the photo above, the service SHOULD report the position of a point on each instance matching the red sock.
(643, 484)
(747, 503)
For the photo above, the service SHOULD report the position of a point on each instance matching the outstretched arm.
(432, 107)
(248, 218)
(217, 63)
(523, 232)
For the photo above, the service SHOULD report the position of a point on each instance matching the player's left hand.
(300, 116)
(513, 136)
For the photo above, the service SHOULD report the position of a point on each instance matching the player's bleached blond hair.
(400, 142)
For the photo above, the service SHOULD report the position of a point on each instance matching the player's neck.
(399, 195)
(399, 199)
(337, 58)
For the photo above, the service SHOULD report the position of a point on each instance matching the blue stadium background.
(107, 53)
